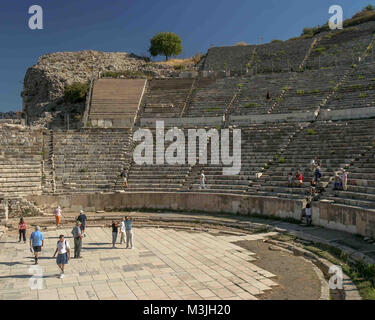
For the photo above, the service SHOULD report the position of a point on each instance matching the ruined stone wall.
(45, 82)
(21, 156)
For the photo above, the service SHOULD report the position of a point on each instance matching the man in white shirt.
(63, 257)
(123, 231)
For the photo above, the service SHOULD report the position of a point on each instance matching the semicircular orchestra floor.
(165, 264)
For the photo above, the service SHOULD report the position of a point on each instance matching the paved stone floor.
(166, 264)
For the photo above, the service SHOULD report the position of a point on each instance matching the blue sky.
(128, 25)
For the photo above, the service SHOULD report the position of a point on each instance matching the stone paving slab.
(165, 264)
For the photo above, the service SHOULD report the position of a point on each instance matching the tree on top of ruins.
(167, 44)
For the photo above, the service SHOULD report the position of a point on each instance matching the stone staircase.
(154, 177)
(259, 144)
(115, 102)
(357, 89)
(212, 97)
(361, 182)
(336, 144)
(48, 165)
(166, 98)
(89, 160)
(20, 161)
(341, 47)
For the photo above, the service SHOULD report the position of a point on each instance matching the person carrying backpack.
(63, 257)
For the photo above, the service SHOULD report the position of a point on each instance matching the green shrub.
(76, 92)
(251, 105)
(320, 50)
(360, 77)
(311, 132)
(180, 67)
(300, 92)
(363, 95)
(282, 160)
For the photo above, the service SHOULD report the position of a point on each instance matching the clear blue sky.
(128, 25)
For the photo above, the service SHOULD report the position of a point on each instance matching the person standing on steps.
(202, 181)
(129, 232)
(36, 243)
(344, 180)
(63, 257)
(82, 218)
(124, 177)
(317, 173)
(22, 230)
(77, 235)
(58, 215)
(268, 96)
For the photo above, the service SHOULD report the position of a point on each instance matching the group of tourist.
(295, 180)
(79, 232)
(341, 180)
(126, 230)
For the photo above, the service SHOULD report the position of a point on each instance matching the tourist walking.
(82, 218)
(58, 214)
(124, 177)
(77, 235)
(314, 162)
(123, 231)
(129, 232)
(63, 257)
(22, 230)
(36, 243)
(114, 226)
(317, 173)
(202, 180)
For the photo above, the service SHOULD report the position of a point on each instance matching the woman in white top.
(58, 215)
(63, 257)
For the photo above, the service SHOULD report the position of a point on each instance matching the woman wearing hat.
(63, 257)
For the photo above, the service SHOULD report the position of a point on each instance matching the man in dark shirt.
(114, 226)
(82, 218)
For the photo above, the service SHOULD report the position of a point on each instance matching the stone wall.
(214, 203)
(45, 82)
(344, 218)
(336, 217)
